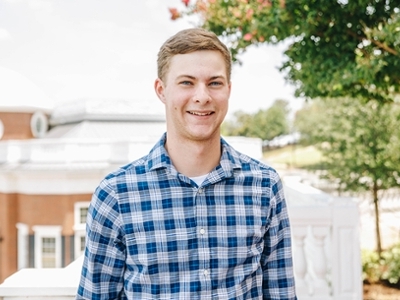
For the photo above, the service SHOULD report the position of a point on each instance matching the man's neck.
(194, 158)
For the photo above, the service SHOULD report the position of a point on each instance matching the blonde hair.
(187, 41)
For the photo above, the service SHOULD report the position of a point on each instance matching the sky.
(86, 49)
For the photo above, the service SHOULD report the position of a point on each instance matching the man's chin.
(204, 136)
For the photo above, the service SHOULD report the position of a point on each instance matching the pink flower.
(201, 6)
(247, 37)
(174, 13)
(249, 13)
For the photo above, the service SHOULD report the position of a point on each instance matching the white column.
(23, 245)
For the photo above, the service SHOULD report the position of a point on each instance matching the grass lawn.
(294, 156)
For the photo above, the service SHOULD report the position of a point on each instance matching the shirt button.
(200, 190)
(205, 272)
(202, 231)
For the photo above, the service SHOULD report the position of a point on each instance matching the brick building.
(50, 163)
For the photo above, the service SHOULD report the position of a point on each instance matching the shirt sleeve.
(278, 277)
(104, 262)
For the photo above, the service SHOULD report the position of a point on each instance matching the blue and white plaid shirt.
(152, 233)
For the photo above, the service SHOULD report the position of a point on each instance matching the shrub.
(391, 264)
(385, 268)
(371, 267)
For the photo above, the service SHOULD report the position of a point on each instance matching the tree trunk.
(377, 215)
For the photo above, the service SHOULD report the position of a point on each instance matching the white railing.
(326, 245)
(63, 151)
(326, 253)
(96, 150)
(43, 284)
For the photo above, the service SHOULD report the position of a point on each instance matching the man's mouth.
(196, 113)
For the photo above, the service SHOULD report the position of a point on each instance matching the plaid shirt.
(152, 233)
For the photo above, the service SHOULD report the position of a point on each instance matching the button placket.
(203, 250)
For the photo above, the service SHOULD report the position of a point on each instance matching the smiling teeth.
(199, 114)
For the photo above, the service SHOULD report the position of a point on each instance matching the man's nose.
(202, 94)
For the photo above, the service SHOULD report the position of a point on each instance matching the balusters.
(300, 262)
(310, 261)
(319, 261)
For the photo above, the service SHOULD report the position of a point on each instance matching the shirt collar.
(158, 158)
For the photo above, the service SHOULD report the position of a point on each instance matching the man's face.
(195, 92)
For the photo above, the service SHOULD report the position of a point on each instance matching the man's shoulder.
(259, 167)
(247, 161)
(136, 167)
(142, 165)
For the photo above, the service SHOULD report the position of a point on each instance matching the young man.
(194, 219)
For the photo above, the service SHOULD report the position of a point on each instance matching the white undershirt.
(199, 179)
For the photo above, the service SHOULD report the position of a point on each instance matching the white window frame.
(79, 227)
(47, 231)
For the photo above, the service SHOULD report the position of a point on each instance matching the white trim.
(59, 181)
(23, 245)
(24, 109)
(79, 227)
(43, 231)
(1, 129)
(79, 250)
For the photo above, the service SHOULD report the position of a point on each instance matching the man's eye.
(216, 83)
(185, 82)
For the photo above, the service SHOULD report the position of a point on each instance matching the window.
(80, 215)
(39, 124)
(83, 211)
(47, 246)
(48, 252)
(82, 244)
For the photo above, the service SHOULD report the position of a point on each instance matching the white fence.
(326, 246)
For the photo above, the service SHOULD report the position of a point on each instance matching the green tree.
(360, 143)
(336, 48)
(264, 124)
(239, 125)
(308, 121)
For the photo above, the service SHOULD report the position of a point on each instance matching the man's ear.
(159, 88)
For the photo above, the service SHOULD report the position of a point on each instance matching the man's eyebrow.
(193, 77)
(186, 76)
(217, 77)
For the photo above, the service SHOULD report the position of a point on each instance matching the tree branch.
(384, 47)
(375, 42)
